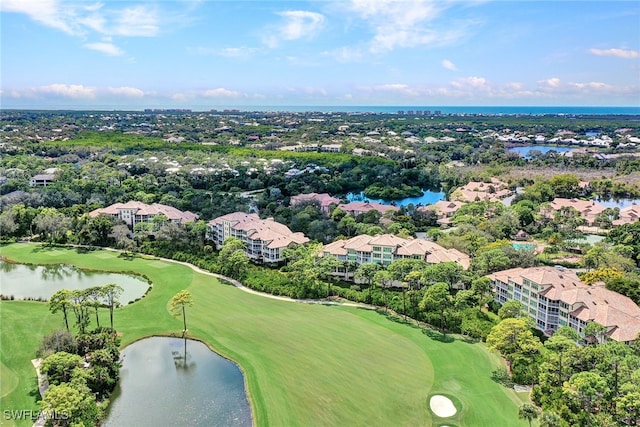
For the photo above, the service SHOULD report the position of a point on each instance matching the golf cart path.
(239, 285)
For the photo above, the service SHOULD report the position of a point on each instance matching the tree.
(233, 260)
(384, 279)
(60, 301)
(99, 229)
(513, 338)
(59, 340)
(111, 293)
(400, 270)
(628, 406)
(551, 419)
(59, 366)
(447, 272)
(587, 387)
(79, 304)
(512, 309)
(121, 234)
(94, 299)
(327, 265)
(178, 305)
(528, 412)
(594, 332)
(70, 405)
(604, 274)
(366, 272)
(347, 225)
(437, 299)
(52, 224)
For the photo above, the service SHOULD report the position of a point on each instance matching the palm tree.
(528, 412)
(178, 304)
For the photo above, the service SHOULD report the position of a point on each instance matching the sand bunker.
(442, 406)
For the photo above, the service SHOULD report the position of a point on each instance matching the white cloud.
(181, 97)
(66, 91)
(237, 52)
(78, 19)
(138, 21)
(553, 82)
(47, 12)
(107, 48)
(618, 53)
(130, 92)
(298, 24)
(449, 65)
(345, 54)
(222, 93)
(471, 82)
(404, 24)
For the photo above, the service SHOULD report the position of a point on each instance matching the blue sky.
(220, 54)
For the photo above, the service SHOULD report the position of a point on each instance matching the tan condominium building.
(323, 199)
(358, 208)
(474, 191)
(386, 248)
(588, 209)
(264, 238)
(134, 212)
(555, 297)
(444, 210)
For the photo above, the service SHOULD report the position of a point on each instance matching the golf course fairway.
(304, 364)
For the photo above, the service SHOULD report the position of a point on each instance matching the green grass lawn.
(304, 365)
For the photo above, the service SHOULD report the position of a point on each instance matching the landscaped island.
(303, 364)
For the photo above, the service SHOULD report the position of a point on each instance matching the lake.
(428, 197)
(617, 203)
(177, 382)
(524, 150)
(42, 281)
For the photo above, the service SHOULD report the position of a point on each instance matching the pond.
(173, 381)
(428, 197)
(41, 281)
(525, 150)
(617, 203)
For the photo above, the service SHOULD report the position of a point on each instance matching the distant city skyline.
(200, 54)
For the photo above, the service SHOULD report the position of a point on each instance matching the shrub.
(60, 340)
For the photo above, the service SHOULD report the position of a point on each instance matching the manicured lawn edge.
(328, 346)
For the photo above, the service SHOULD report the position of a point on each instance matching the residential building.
(386, 248)
(628, 215)
(444, 210)
(324, 199)
(134, 212)
(42, 180)
(588, 209)
(555, 297)
(357, 208)
(264, 238)
(474, 191)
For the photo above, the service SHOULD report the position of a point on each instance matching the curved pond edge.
(213, 350)
(88, 270)
(252, 396)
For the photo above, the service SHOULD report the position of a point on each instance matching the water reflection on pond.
(526, 151)
(428, 197)
(175, 382)
(42, 281)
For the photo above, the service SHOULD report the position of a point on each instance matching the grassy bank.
(304, 365)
